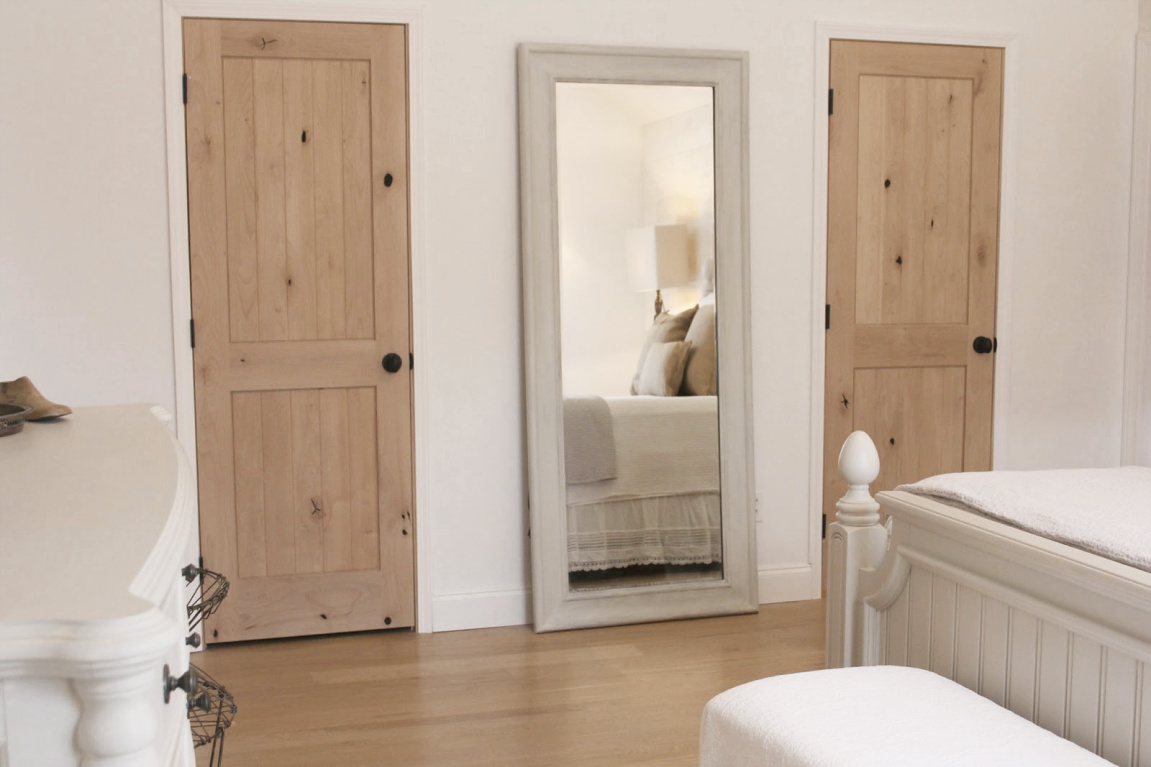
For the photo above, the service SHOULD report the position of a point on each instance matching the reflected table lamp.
(658, 258)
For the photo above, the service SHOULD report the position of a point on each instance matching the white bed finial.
(859, 465)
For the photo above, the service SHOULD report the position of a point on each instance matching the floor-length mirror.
(633, 196)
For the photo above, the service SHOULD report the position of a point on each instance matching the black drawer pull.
(186, 682)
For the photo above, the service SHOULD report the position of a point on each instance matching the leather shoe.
(22, 392)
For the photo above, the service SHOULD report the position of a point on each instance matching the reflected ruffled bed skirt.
(662, 530)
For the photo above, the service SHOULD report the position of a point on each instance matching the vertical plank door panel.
(357, 176)
(337, 480)
(330, 199)
(247, 428)
(240, 160)
(279, 519)
(271, 245)
(299, 201)
(308, 477)
(363, 496)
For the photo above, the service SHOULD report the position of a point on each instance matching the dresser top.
(84, 502)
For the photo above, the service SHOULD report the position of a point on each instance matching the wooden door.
(298, 214)
(912, 246)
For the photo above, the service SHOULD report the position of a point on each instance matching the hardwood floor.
(628, 695)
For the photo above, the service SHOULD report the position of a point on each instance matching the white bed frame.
(1058, 635)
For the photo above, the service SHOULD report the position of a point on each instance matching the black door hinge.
(192, 332)
(185, 87)
(827, 316)
(830, 101)
(411, 361)
(824, 535)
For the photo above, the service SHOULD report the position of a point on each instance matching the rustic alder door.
(912, 248)
(298, 212)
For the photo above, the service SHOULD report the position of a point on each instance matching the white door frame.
(174, 12)
(824, 34)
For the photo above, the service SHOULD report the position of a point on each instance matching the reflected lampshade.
(658, 257)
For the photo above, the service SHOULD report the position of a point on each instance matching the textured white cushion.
(880, 716)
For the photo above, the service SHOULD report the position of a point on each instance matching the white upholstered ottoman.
(886, 716)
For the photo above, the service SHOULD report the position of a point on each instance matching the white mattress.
(1105, 511)
(878, 716)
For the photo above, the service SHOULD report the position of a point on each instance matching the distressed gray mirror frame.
(555, 605)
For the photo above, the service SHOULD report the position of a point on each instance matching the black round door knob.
(983, 345)
(393, 362)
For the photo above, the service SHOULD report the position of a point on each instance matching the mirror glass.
(633, 199)
(636, 207)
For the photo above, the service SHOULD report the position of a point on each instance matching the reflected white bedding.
(663, 506)
(663, 445)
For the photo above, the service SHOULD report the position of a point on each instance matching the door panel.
(913, 198)
(911, 258)
(297, 168)
(306, 481)
(921, 406)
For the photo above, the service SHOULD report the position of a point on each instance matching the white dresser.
(95, 514)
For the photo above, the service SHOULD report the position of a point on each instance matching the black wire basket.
(209, 593)
(210, 713)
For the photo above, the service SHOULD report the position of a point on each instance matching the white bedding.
(663, 506)
(663, 446)
(1105, 511)
(589, 444)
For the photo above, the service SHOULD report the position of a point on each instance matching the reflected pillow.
(662, 371)
(665, 328)
(699, 375)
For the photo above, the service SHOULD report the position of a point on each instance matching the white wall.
(1137, 383)
(83, 251)
(603, 320)
(84, 297)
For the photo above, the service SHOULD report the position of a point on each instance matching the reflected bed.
(658, 502)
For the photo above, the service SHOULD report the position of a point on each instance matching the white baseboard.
(788, 584)
(481, 610)
(490, 609)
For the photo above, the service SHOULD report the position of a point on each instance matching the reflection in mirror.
(636, 191)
